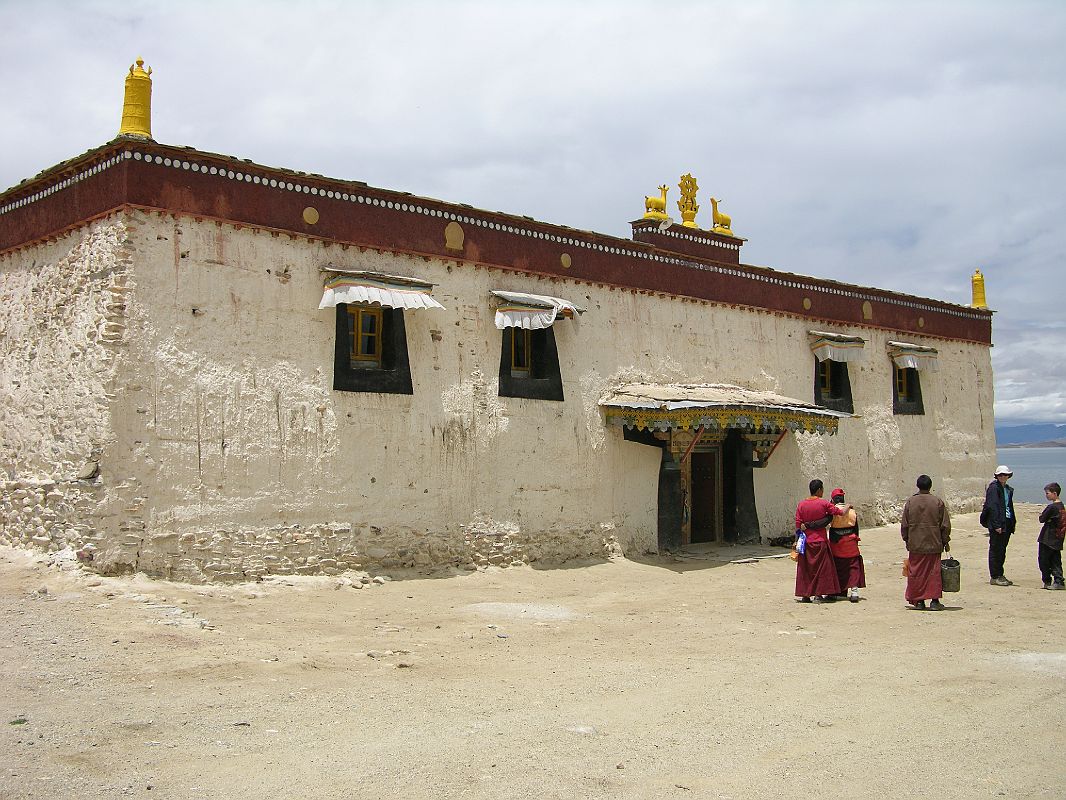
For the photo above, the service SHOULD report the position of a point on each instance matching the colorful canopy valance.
(714, 406)
(388, 291)
(531, 311)
(913, 356)
(836, 346)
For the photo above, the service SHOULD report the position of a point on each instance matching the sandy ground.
(675, 678)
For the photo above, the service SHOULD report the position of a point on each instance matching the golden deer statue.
(722, 222)
(655, 207)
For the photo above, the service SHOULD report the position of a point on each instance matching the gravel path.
(689, 678)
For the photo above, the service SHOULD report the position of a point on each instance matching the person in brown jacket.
(926, 530)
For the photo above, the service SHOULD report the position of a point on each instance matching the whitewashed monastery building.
(214, 370)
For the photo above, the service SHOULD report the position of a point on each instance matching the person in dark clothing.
(1049, 549)
(998, 517)
(926, 530)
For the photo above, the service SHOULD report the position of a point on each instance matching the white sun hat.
(1003, 469)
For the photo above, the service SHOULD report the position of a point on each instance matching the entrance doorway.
(706, 497)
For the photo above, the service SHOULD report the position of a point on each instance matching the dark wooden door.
(704, 497)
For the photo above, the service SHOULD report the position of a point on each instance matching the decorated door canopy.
(388, 291)
(532, 311)
(913, 356)
(664, 407)
(836, 346)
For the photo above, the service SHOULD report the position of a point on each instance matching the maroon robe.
(851, 573)
(816, 572)
(848, 560)
(923, 580)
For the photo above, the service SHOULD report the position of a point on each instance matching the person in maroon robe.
(844, 545)
(926, 530)
(816, 574)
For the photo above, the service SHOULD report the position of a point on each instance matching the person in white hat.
(998, 516)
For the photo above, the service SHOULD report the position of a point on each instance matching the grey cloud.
(895, 144)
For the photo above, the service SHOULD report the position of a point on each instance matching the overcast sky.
(892, 144)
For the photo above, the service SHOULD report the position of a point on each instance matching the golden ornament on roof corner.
(137, 103)
(655, 207)
(687, 204)
(722, 222)
(978, 281)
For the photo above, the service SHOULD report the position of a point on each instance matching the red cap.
(836, 493)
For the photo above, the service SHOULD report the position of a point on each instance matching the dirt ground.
(689, 677)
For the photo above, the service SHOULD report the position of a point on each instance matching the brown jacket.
(926, 525)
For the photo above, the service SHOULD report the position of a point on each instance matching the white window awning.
(532, 311)
(388, 291)
(913, 356)
(836, 346)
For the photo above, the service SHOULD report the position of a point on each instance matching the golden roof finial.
(137, 103)
(978, 281)
(687, 205)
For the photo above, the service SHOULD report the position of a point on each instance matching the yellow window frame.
(903, 393)
(358, 316)
(521, 351)
(825, 377)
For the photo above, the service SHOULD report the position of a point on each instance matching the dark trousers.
(997, 553)
(1050, 561)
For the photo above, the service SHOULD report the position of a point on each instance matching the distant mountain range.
(1041, 434)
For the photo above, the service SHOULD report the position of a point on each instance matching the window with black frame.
(370, 353)
(906, 391)
(833, 350)
(909, 360)
(371, 350)
(529, 358)
(832, 385)
(529, 365)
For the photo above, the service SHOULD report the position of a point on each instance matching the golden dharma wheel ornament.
(687, 205)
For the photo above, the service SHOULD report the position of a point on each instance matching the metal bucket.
(951, 574)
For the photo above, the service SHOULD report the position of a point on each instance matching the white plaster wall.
(62, 330)
(251, 462)
(236, 457)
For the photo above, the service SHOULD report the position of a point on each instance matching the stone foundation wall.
(240, 554)
(49, 515)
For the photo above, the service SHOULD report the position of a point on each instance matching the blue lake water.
(1034, 468)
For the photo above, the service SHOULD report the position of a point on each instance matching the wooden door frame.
(718, 533)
